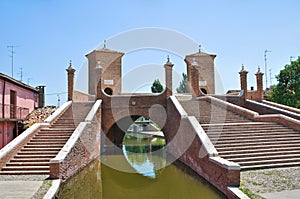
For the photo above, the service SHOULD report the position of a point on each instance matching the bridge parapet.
(81, 148)
(190, 144)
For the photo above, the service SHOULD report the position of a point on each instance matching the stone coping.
(225, 163)
(272, 107)
(206, 142)
(51, 193)
(93, 111)
(235, 108)
(237, 192)
(178, 106)
(58, 112)
(18, 140)
(292, 109)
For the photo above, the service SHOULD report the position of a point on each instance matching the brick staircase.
(253, 145)
(34, 157)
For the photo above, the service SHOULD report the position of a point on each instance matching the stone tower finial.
(168, 60)
(243, 67)
(199, 48)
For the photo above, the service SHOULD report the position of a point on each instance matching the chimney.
(259, 83)
(41, 96)
(168, 72)
(70, 70)
(243, 80)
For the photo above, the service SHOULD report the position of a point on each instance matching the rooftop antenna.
(270, 70)
(11, 50)
(28, 79)
(266, 66)
(21, 74)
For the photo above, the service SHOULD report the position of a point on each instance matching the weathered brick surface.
(110, 62)
(85, 150)
(206, 69)
(185, 143)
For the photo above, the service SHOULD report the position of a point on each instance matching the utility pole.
(266, 66)
(11, 50)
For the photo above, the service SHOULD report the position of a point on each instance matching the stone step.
(243, 128)
(31, 172)
(258, 141)
(51, 137)
(34, 164)
(28, 156)
(257, 150)
(37, 152)
(254, 146)
(31, 160)
(50, 140)
(265, 155)
(270, 165)
(270, 161)
(255, 138)
(251, 134)
(41, 149)
(54, 129)
(45, 145)
(25, 168)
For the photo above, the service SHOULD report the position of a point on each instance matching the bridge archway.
(118, 130)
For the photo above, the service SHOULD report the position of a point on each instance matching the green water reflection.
(151, 178)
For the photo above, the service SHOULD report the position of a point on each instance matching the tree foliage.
(183, 85)
(156, 87)
(287, 91)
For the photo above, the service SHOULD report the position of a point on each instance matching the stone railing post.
(259, 84)
(243, 81)
(168, 72)
(70, 70)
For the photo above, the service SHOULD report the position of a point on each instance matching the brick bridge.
(216, 136)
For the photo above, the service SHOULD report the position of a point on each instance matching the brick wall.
(82, 148)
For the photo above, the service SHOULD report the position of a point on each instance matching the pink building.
(17, 100)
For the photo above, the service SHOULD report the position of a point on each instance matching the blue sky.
(49, 33)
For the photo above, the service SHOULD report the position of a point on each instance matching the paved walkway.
(18, 189)
(290, 194)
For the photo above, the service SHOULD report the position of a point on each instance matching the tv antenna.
(266, 66)
(11, 50)
(28, 79)
(21, 74)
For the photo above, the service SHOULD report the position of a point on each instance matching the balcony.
(8, 111)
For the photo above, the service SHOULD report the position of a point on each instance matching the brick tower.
(110, 62)
(206, 69)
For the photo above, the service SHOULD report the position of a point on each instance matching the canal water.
(144, 175)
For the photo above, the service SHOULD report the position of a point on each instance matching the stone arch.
(108, 91)
(203, 90)
(116, 132)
